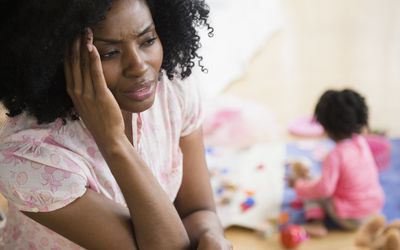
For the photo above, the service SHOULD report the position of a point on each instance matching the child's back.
(358, 192)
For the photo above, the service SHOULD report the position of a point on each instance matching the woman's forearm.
(155, 220)
(202, 222)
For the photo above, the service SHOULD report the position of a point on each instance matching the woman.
(122, 165)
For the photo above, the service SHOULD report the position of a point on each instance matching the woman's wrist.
(212, 234)
(211, 240)
(112, 145)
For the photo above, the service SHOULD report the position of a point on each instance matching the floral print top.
(45, 167)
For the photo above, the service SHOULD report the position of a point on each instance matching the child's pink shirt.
(46, 167)
(350, 178)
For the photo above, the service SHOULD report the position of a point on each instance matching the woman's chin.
(137, 107)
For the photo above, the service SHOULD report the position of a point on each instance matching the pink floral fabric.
(46, 167)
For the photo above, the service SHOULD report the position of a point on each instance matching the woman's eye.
(149, 42)
(109, 55)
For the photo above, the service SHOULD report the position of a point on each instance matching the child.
(348, 190)
(103, 148)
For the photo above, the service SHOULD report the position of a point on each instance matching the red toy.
(292, 236)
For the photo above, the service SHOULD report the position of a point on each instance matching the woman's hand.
(88, 90)
(210, 241)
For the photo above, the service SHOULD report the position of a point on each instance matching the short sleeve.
(191, 106)
(39, 177)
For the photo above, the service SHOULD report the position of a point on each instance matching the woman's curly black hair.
(34, 34)
(342, 113)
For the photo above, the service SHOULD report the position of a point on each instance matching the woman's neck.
(128, 124)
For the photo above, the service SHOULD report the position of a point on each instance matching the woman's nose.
(135, 63)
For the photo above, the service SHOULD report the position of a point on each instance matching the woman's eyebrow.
(116, 41)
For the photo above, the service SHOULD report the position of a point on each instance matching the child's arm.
(324, 186)
(195, 202)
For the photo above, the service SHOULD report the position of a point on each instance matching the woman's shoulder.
(25, 123)
(22, 138)
(38, 160)
(24, 126)
(182, 100)
(180, 88)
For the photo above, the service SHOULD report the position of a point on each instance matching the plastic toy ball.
(292, 236)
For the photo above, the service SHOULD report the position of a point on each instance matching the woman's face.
(131, 54)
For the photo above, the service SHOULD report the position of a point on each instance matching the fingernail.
(90, 47)
(89, 34)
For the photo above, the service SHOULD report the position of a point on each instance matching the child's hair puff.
(342, 112)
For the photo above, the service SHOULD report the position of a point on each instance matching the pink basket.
(306, 126)
(381, 150)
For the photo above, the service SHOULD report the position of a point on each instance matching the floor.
(326, 44)
(245, 239)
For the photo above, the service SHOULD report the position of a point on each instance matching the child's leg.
(315, 214)
(340, 223)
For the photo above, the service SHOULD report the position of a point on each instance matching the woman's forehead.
(125, 16)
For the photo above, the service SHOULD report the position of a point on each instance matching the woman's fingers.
(67, 71)
(99, 83)
(75, 63)
(77, 67)
(87, 88)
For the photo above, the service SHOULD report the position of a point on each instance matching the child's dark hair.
(342, 113)
(35, 34)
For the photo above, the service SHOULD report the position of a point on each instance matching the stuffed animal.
(301, 169)
(376, 234)
(298, 169)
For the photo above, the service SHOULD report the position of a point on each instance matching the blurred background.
(285, 53)
(280, 56)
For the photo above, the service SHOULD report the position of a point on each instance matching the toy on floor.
(226, 192)
(248, 203)
(376, 234)
(291, 235)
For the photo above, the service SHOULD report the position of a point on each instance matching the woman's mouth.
(142, 93)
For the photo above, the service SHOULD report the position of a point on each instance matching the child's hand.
(88, 90)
